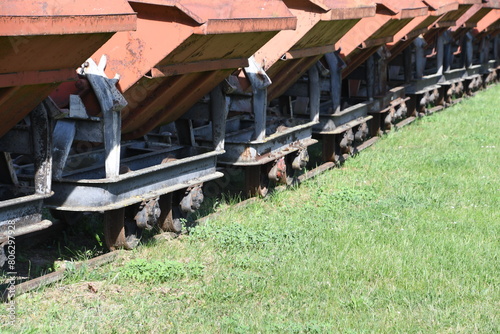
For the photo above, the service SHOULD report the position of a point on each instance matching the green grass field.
(404, 238)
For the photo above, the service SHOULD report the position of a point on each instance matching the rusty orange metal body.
(320, 24)
(453, 19)
(42, 43)
(467, 23)
(489, 24)
(181, 50)
(477, 13)
(370, 33)
(438, 10)
(474, 13)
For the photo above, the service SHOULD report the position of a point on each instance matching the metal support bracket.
(42, 154)
(447, 50)
(314, 93)
(111, 102)
(260, 81)
(467, 50)
(496, 45)
(384, 54)
(420, 58)
(336, 65)
(440, 53)
(484, 50)
(407, 65)
(219, 108)
(64, 134)
(370, 77)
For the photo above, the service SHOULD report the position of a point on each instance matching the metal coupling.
(401, 111)
(148, 214)
(434, 96)
(388, 120)
(362, 133)
(301, 159)
(346, 142)
(192, 199)
(424, 100)
(278, 172)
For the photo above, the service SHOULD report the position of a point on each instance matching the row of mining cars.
(128, 107)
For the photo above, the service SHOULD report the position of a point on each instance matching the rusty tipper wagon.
(41, 45)
(179, 53)
(269, 139)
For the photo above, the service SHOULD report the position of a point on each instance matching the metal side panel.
(252, 153)
(21, 212)
(425, 83)
(330, 122)
(134, 186)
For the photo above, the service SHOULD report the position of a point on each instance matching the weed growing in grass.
(142, 270)
(345, 195)
(238, 237)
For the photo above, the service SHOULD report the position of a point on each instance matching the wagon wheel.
(257, 181)
(166, 222)
(264, 184)
(119, 232)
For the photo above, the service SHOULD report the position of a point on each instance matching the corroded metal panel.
(87, 189)
(471, 15)
(43, 42)
(490, 22)
(480, 14)
(438, 9)
(320, 25)
(181, 50)
(64, 17)
(392, 18)
(402, 9)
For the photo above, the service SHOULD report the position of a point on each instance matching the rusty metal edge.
(444, 9)
(59, 25)
(228, 26)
